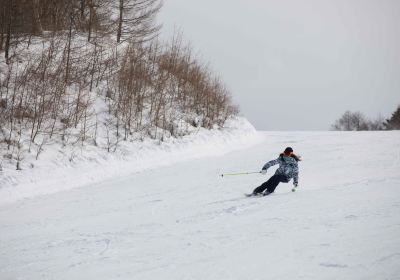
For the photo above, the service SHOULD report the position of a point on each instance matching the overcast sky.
(297, 64)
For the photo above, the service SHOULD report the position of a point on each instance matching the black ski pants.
(271, 184)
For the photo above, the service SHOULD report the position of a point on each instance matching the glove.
(263, 172)
(295, 184)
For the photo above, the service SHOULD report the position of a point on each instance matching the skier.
(287, 170)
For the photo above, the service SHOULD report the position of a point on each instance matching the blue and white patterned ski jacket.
(287, 166)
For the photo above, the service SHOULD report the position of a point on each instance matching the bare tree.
(149, 87)
(351, 121)
(376, 124)
(8, 22)
(136, 20)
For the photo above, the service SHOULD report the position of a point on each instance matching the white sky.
(297, 65)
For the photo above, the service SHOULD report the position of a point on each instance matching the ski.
(254, 195)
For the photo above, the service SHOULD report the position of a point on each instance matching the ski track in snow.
(184, 221)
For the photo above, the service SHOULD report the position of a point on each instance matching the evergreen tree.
(394, 122)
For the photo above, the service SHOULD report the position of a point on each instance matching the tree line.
(125, 19)
(94, 71)
(356, 121)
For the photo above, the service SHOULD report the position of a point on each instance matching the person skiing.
(288, 169)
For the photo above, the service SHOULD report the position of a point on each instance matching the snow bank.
(58, 169)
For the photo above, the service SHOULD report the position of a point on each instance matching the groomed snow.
(184, 221)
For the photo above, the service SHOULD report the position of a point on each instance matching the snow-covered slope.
(61, 168)
(184, 221)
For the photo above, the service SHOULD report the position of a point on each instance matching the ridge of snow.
(58, 170)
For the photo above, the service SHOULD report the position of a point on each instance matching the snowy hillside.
(184, 221)
(62, 168)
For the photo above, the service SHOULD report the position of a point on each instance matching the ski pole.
(240, 173)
